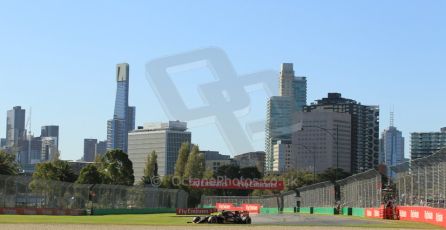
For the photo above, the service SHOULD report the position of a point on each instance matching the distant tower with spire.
(391, 145)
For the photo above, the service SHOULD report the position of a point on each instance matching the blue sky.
(59, 57)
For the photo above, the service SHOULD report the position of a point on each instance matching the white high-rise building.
(163, 138)
(283, 156)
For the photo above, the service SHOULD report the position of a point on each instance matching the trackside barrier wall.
(346, 211)
(269, 211)
(42, 211)
(429, 215)
(359, 212)
(324, 211)
(306, 210)
(133, 211)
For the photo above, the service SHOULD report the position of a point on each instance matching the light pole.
(335, 138)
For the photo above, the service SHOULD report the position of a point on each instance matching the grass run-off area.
(171, 219)
(149, 219)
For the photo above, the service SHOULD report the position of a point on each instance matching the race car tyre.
(212, 220)
(196, 220)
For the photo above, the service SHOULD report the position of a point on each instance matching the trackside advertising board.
(251, 208)
(195, 211)
(430, 215)
(245, 184)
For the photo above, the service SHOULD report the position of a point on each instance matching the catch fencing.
(361, 190)
(422, 182)
(25, 192)
(318, 195)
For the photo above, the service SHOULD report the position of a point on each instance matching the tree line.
(115, 168)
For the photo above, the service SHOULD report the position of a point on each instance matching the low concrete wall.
(269, 210)
(324, 211)
(306, 210)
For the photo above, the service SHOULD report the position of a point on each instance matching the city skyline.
(67, 77)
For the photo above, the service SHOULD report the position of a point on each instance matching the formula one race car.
(225, 217)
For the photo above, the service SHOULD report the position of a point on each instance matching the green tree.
(117, 168)
(183, 155)
(250, 173)
(167, 182)
(90, 174)
(54, 170)
(229, 171)
(151, 169)
(8, 165)
(332, 174)
(195, 164)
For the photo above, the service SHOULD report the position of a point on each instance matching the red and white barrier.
(377, 213)
(430, 215)
(251, 208)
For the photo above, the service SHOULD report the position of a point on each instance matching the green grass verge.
(168, 219)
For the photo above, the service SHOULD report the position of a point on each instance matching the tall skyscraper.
(278, 126)
(292, 86)
(50, 131)
(90, 149)
(31, 150)
(392, 148)
(426, 143)
(101, 148)
(2, 143)
(163, 138)
(323, 142)
(279, 118)
(49, 148)
(364, 129)
(124, 116)
(15, 127)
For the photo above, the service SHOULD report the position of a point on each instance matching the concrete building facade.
(423, 144)
(50, 131)
(323, 142)
(90, 149)
(15, 127)
(283, 156)
(163, 138)
(364, 129)
(251, 159)
(213, 160)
